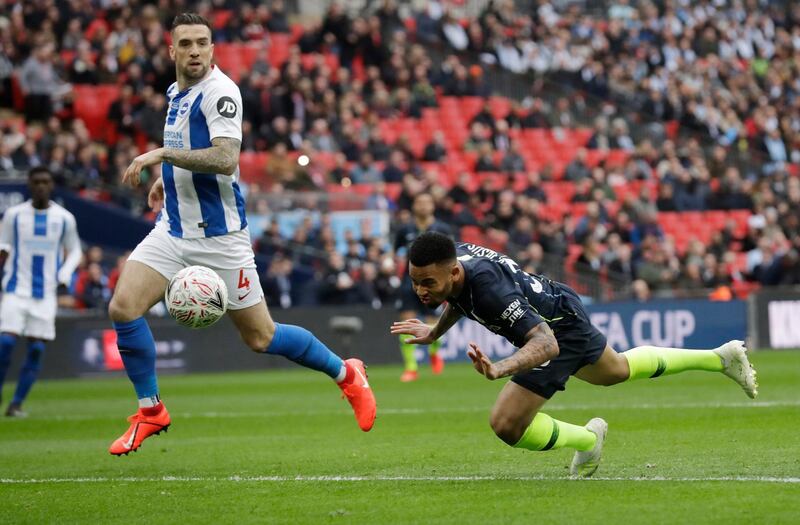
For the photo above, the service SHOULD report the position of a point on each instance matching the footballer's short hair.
(190, 19)
(39, 170)
(431, 248)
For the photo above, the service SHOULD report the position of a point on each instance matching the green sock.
(653, 361)
(434, 347)
(409, 359)
(546, 433)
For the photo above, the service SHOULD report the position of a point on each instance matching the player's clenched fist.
(133, 174)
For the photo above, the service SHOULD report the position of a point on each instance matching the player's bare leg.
(261, 334)
(516, 419)
(138, 289)
(609, 370)
(651, 362)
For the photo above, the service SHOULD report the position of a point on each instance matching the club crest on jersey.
(184, 108)
(226, 107)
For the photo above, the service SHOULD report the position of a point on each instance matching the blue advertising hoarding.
(671, 323)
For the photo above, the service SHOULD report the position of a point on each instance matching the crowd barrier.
(86, 346)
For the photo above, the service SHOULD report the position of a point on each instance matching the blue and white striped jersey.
(35, 241)
(202, 204)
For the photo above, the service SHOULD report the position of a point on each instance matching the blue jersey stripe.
(40, 224)
(237, 193)
(12, 281)
(37, 277)
(174, 106)
(171, 198)
(60, 249)
(205, 184)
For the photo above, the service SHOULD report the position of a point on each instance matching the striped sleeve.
(222, 107)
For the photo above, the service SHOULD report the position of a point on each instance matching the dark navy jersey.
(505, 299)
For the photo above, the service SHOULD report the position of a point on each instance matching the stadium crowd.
(725, 73)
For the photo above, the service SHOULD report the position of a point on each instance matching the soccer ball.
(196, 297)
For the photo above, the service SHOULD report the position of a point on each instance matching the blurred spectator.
(277, 283)
(436, 149)
(93, 291)
(366, 171)
(577, 169)
(41, 85)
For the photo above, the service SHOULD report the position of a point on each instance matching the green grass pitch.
(281, 447)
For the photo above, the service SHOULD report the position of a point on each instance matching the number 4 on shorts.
(244, 282)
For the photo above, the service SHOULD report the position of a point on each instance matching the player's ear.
(172, 52)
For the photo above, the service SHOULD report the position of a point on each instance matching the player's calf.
(508, 429)
(259, 339)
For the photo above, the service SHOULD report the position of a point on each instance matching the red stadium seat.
(472, 234)
(252, 166)
(91, 105)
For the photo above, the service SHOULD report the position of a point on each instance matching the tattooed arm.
(421, 332)
(448, 318)
(222, 157)
(541, 346)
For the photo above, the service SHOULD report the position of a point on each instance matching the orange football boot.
(359, 394)
(145, 422)
(409, 375)
(437, 364)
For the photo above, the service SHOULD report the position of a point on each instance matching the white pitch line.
(350, 479)
(451, 410)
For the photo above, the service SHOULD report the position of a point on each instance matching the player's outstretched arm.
(541, 346)
(222, 157)
(421, 332)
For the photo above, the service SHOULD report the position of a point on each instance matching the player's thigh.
(145, 275)
(514, 410)
(41, 319)
(231, 256)
(255, 325)
(13, 312)
(610, 369)
(139, 287)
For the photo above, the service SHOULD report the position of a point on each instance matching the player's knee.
(121, 309)
(506, 428)
(618, 374)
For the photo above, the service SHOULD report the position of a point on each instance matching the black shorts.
(579, 344)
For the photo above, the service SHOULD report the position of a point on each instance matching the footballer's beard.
(193, 72)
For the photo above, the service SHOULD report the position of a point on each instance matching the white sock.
(148, 402)
(342, 374)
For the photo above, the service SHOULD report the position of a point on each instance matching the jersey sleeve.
(222, 107)
(72, 244)
(503, 308)
(7, 232)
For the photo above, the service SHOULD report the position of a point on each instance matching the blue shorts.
(579, 344)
